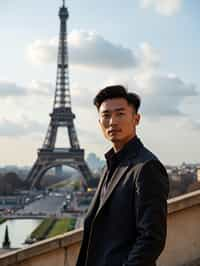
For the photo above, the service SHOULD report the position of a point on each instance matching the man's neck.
(117, 146)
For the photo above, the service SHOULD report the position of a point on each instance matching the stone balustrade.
(182, 245)
(183, 237)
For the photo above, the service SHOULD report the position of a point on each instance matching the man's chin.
(114, 139)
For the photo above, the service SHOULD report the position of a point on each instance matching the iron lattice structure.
(49, 156)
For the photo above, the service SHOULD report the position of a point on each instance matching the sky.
(150, 46)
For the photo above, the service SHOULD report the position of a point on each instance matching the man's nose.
(112, 120)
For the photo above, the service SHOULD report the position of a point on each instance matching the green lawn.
(43, 229)
(2, 220)
(62, 184)
(62, 226)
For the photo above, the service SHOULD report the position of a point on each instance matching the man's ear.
(137, 118)
(100, 123)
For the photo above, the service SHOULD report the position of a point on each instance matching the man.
(126, 222)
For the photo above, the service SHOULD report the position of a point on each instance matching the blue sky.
(151, 46)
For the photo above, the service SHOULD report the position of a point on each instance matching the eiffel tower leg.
(84, 169)
(33, 173)
(39, 173)
(73, 137)
(37, 180)
(50, 138)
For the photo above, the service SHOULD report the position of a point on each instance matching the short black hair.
(117, 91)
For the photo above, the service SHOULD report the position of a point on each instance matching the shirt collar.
(129, 148)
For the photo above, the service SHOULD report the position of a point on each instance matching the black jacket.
(129, 227)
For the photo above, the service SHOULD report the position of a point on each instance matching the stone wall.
(57, 251)
(182, 245)
(183, 238)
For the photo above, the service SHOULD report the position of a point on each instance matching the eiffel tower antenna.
(62, 116)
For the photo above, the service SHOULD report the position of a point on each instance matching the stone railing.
(183, 237)
(182, 246)
(57, 251)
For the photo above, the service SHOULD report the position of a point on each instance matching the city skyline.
(150, 47)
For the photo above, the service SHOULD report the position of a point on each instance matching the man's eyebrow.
(114, 110)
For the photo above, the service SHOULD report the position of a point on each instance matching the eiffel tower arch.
(62, 116)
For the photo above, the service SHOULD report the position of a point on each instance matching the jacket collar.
(130, 149)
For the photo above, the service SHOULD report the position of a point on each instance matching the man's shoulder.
(143, 156)
(145, 159)
(146, 155)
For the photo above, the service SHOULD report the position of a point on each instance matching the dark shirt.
(113, 159)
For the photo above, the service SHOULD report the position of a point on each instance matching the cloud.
(162, 94)
(165, 94)
(148, 56)
(87, 49)
(191, 124)
(11, 90)
(82, 97)
(163, 7)
(19, 128)
(39, 87)
(8, 89)
(41, 51)
(91, 136)
(148, 63)
(91, 49)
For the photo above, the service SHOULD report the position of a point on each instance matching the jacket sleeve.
(151, 192)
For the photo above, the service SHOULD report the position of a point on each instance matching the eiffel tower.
(49, 156)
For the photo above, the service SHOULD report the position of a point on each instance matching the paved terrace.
(182, 246)
(48, 205)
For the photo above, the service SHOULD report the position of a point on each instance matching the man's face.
(118, 121)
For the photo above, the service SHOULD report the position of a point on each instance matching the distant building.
(11, 202)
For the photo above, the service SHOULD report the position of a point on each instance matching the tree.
(6, 242)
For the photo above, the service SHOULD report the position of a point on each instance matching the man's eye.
(106, 116)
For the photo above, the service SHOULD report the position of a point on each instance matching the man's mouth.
(113, 131)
